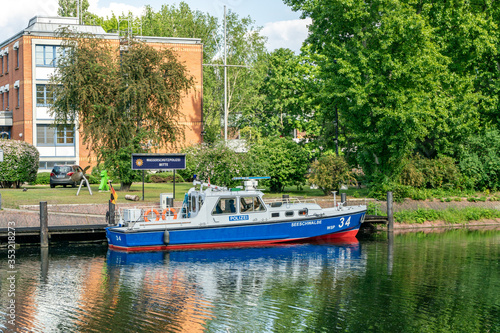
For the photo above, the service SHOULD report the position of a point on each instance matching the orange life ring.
(149, 211)
(164, 213)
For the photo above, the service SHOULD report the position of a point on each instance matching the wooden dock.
(94, 233)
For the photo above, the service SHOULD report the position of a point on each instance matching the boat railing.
(140, 214)
(293, 200)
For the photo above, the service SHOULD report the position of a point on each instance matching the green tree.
(245, 47)
(286, 161)
(287, 91)
(480, 160)
(219, 164)
(329, 171)
(69, 8)
(124, 103)
(385, 69)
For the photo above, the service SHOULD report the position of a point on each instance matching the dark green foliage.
(480, 160)
(431, 173)
(164, 177)
(287, 162)
(20, 163)
(219, 164)
(42, 178)
(406, 76)
(329, 171)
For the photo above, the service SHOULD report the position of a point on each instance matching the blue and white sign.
(238, 218)
(158, 161)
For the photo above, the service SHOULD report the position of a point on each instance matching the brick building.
(27, 61)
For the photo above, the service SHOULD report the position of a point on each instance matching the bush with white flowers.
(20, 163)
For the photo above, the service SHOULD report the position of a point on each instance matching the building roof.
(46, 26)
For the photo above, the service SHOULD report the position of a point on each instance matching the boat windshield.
(251, 204)
(224, 206)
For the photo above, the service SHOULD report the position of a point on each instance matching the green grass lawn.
(13, 198)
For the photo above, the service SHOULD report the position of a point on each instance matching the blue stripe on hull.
(237, 233)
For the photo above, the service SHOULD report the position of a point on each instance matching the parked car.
(61, 175)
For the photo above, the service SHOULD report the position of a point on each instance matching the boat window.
(275, 214)
(224, 206)
(303, 212)
(289, 213)
(251, 204)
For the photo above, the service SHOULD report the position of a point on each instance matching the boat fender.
(166, 237)
(164, 213)
(149, 211)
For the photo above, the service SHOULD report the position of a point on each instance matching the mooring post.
(44, 263)
(44, 225)
(343, 197)
(111, 211)
(390, 212)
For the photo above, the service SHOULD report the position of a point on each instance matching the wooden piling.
(390, 212)
(44, 225)
(111, 212)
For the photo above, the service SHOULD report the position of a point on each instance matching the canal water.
(415, 282)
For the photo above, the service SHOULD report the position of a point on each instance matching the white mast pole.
(225, 77)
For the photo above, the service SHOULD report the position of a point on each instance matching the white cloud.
(287, 34)
(15, 15)
(114, 7)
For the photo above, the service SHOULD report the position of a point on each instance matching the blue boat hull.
(248, 234)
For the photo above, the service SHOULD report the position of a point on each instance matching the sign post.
(158, 162)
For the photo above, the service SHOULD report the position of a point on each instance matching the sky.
(282, 26)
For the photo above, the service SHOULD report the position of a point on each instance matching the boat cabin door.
(195, 201)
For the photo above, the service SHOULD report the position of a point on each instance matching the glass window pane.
(39, 55)
(49, 95)
(40, 134)
(49, 55)
(60, 134)
(70, 135)
(40, 94)
(50, 134)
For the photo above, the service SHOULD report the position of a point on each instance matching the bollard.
(44, 263)
(111, 212)
(390, 212)
(343, 198)
(44, 225)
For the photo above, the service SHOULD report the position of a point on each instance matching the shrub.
(329, 171)
(219, 164)
(431, 173)
(20, 163)
(42, 178)
(286, 162)
(480, 160)
(164, 177)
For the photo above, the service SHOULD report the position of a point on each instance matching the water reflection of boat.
(219, 217)
(334, 250)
